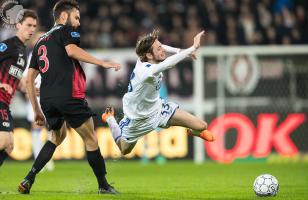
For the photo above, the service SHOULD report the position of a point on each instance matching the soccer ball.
(266, 185)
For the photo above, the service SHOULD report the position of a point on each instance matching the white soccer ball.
(266, 185)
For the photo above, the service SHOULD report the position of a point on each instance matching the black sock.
(3, 156)
(97, 163)
(41, 160)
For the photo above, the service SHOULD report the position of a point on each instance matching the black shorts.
(57, 110)
(6, 120)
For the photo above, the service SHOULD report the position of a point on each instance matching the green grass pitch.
(174, 180)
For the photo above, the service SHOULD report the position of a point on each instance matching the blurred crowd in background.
(117, 24)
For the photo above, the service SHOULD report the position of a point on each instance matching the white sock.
(114, 127)
(37, 143)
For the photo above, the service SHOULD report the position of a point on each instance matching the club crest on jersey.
(3, 47)
(75, 34)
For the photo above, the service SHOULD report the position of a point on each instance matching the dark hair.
(64, 6)
(144, 44)
(28, 13)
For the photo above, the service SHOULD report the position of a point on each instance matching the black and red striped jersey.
(62, 76)
(13, 58)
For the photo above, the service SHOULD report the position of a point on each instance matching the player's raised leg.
(108, 117)
(196, 126)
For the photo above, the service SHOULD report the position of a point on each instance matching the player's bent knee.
(126, 151)
(91, 142)
(3, 141)
(4, 144)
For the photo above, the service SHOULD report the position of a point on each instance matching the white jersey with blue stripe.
(142, 99)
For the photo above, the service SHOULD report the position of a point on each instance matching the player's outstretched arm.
(174, 50)
(170, 49)
(173, 60)
(78, 53)
(38, 114)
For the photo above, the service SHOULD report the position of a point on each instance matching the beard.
(68, 21)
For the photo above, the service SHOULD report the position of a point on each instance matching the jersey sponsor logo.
(3, 47)
(148, 65)
(75, 34)
(16, 72)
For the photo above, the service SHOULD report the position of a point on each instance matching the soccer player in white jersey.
(143, 108)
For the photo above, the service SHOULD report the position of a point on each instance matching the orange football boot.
(205, 135)
(108, 113)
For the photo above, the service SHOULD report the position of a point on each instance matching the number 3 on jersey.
(42, 52)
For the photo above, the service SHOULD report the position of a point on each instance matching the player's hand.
(39, 118)
(114, 65)
(197, 39)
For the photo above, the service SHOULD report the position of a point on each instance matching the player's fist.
(197, 39)
(114, 65)
(39, 118)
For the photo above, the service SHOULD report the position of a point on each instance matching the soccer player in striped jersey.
(13, 58)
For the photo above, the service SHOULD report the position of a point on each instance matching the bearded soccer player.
(144, 110)
(56, 58)
(13, 58)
